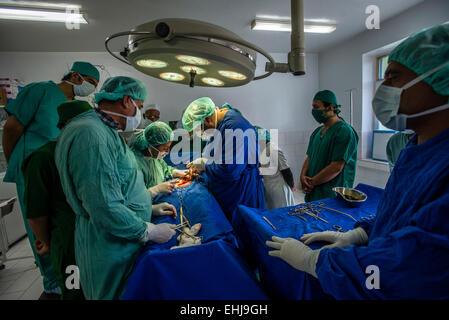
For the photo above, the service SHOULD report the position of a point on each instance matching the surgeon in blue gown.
(403, 253)
(231, 171)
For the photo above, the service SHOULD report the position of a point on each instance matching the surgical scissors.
(338, 228)
(371, 216)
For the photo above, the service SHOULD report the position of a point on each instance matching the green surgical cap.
(196, 112)
(86, 68)
(262, 134)
(117, 87)
(71, 109)
(326, 96)
(155, 134)
(424, 51)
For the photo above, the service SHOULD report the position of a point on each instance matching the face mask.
(387, 100)
(132, 122)
(160, 154)
(319, 116)
(84, 89)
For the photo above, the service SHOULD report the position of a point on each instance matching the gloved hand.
(164, 209)
(198, 164)
(165, 187)
(180, 173)
(159, 233)
(295, 253)
(356, 236)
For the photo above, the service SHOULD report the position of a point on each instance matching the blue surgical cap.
(117, 87)
(424, 51)
(154, 135)
(86, 69)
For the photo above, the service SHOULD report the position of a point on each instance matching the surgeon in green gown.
(32, 122)
(48, 214)
(332, 151)
(107, 192)
(150, 146)
(395, 144)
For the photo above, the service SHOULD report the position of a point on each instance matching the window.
(382, 63)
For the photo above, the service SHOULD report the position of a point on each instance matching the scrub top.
(239, 181)
(44, 197)
(339, 142)
(395, 145)
(36, 109)
(155, 171)
(408, 239)
(101, 182)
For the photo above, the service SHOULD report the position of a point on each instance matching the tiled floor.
(21, 279)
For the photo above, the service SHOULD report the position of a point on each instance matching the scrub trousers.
(43, 261)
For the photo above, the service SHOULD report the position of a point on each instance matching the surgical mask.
(319, 116)
(387, 100)
(160, 154)
(132, 122)
(84, 89)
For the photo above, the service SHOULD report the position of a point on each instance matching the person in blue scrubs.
(32, 122)
(231, 171)
(403, 253)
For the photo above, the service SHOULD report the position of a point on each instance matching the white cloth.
(277, 193)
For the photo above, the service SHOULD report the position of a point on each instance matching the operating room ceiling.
(106, 17)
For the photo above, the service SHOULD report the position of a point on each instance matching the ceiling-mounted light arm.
(126, 33)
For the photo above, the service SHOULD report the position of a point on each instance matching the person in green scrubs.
(105, 189)
(395, 144)
(32, 122)
(48, 214)
(332, 152)
(150, 146)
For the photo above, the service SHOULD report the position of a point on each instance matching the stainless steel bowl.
(353, 197)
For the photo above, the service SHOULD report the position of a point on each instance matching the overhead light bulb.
(40, 15)
(213, 82)
(193, 60)
(151, 63)
(232, 75)
(197, 70)
(279, 25)
(172, 76)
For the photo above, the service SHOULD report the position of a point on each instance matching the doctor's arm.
(328, 173)
(12, 131)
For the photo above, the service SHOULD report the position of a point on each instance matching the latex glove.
(165, 187)
(164, 209)
(356, 236)
(180, 173)
(198, 164)
(295, 253)
(159, 233)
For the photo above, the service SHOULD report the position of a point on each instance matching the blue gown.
(239, 182)
(409, 238)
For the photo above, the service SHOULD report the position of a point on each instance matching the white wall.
(340, 67)
(281, 101)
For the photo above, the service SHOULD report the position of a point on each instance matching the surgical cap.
(155, 134)
(262, 134)
(152, 107)
(71, 109)
(424, 51)
(196, 112)
(117, 87)
(326, 96)
(86, 69)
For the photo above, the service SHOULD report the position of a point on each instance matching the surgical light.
(172, 76)
(151, 63)
(232, 75)
(213, 82)
(194, 69)
(227, 59)
(193, 60)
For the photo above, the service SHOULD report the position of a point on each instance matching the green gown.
(155, 171)
(36, 109)
(339, 142)
(395, 145)
(44, 197)
(101, 182)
